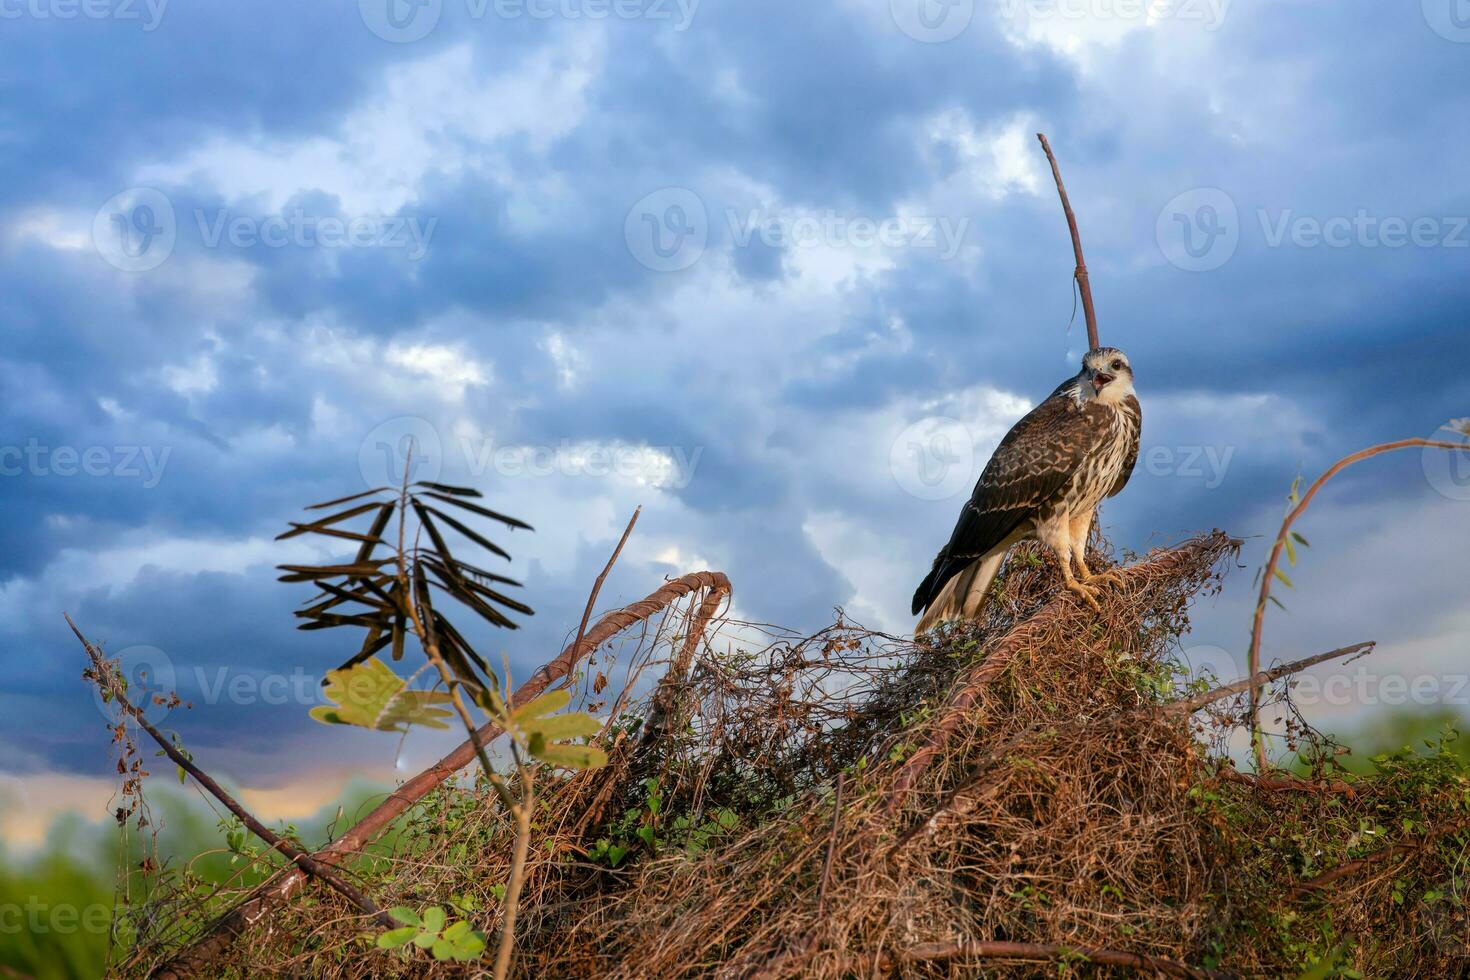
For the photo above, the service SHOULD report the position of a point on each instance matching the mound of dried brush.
(1009, 798)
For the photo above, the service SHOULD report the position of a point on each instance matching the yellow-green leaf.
(546, 704)
(370, 695)
(572, 756)
(561, 727)
(394, 938)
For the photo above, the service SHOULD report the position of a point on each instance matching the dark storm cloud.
(1292, 110)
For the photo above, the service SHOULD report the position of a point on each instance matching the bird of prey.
(1045, 481)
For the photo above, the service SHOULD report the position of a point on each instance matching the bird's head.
(1107, 375)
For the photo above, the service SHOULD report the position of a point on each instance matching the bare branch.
(306, 862)
(1191, 705)
(597, 585)
(1083, 285)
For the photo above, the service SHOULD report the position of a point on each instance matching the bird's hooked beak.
(1100, 381)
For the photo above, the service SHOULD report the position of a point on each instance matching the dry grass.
(1011, 794)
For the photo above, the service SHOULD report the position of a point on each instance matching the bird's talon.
(1088, 594)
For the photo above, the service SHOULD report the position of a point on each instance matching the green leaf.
(370, 695)
(425, 939)
(456, 930)
(406, 915)
(615, 854)
(1300, 540)
(434, 917)
(1286, 581)
(562, 727)
(548, 703)
(1290, 551)
(396, 938)
(573, 756)
(469, 947)
(442, 949)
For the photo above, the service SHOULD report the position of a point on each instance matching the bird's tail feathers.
(963, 596)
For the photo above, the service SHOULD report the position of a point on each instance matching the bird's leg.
(1078, 526)
(1056, 534)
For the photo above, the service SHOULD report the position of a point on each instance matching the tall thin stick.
(1083, 286)
(597, 585)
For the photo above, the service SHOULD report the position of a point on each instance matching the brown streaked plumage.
(1045, 481)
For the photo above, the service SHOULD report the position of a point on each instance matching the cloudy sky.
(780, 273)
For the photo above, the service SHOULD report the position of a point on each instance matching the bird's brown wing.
(1131, 408)
(1032, 465)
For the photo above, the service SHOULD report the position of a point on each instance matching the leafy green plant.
(433, 930)
(394, 595)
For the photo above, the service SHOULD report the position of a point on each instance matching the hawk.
(1045, 481)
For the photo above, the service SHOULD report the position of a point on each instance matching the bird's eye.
(1117, 365)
